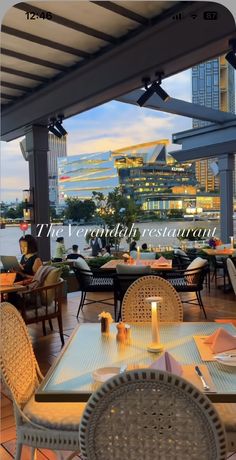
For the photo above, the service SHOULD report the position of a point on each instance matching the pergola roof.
(93, 52)
(75, 34)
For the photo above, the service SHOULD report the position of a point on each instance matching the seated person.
(74, 254)
(133, 246)
(144, 247)
(30, 262)
(106, 252)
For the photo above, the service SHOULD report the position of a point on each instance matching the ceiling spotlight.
(231, 55)
(54, 131)
(60, 128)
(146, 95)
(162, 93)
(150, 90)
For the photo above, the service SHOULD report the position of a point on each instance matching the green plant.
(97, 262)
(167, 254)
(193, 234)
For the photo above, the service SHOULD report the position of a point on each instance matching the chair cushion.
(126, 269)
(81, 264)
(197, 263)
(53, 277)
(180, 252)
(41, 311)
(65, 416)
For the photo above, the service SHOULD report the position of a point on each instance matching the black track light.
(54, 131)
(154, 88)
(60, 128)
(162, 93)
(146, 95)
(231, 55)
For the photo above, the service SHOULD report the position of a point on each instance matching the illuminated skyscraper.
(212, 86)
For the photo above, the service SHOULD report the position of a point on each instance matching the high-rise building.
(212, 86)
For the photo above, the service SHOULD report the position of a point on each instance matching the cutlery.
(225, 356)
(199, 373)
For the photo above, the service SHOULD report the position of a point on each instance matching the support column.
(37, 147)
(226, 167)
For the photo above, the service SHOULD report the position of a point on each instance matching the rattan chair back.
(232, 273)
(150, 414)
(136, 308)
(17, 360)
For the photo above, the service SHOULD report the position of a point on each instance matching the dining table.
(154, 264)
(70, 379)
(227, 252)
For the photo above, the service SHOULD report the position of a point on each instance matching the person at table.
(133, 246)
(74, 254)
(60, 252)
(30, 261)
(144, 247)
(106, 252)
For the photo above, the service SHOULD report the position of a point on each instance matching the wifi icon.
(194, 16)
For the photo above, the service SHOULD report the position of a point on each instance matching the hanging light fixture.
(155, 87)
(231, 55)
(28, 205)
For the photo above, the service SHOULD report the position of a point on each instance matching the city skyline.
(111, 126)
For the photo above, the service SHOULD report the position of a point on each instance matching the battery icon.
(210, 15)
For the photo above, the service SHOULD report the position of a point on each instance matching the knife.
(199, 373)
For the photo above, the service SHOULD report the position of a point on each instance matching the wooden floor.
(217, 303)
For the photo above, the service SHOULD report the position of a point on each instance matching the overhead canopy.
(87, 53)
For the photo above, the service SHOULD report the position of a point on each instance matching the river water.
(153, 233)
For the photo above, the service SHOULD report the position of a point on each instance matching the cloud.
(14, 171)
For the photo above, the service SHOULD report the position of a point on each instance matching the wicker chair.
(135, 308)
(150, 414)
(232, 273)
(38, 425)
(42, 304)
(190, 280)
(92, 281)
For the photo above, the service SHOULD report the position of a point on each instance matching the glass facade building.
(144, 171)
(213, 86)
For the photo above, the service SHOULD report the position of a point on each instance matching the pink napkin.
(162, 261)
(168, 363)
(221, 340)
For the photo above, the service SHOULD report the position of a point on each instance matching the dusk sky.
(111, 126)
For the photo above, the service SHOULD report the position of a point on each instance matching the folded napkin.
(162, 260)
(168, 363)
(221, 340)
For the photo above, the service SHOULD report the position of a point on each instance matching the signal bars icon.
(177, 17)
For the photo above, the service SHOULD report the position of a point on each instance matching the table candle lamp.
(232, 242)
(138, 252)
(155, 346)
